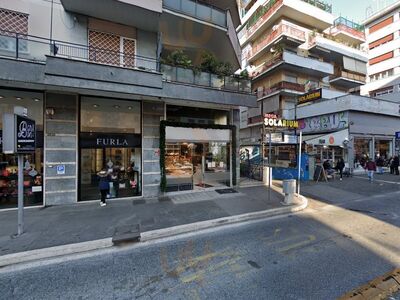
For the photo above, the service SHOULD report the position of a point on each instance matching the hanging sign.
(310, 96)
(397, 135)
(272, 121)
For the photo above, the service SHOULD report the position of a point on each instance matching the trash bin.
(289, 189)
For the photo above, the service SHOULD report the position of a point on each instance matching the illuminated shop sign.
(271, 120)
(310, 96)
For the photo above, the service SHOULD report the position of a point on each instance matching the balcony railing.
(189, 76)
(283, 85)
(349, 24)
(33, 48)
(265, 11)
(268, 64)
(348, 75)
(282, 29)
(198, 10)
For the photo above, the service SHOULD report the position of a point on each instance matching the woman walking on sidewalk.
(371, 168)
(104, 186)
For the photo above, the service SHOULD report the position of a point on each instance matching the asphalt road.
(320, 253)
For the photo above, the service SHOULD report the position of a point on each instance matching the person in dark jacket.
(371, 168)
(396, 164)
(379, 164)
(104, 186)
(340, 166)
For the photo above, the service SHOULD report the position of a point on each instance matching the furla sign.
(109, 140)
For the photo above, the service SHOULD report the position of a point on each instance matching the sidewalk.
(62, 225)
(351, 188)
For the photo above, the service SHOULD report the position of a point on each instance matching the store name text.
(111, 142)
(271, 120)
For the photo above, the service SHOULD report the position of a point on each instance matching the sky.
(357, 10)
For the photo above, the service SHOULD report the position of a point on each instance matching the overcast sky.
(356, 10)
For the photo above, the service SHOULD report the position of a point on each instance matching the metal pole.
(299, 174)
(20, 194)
(269, 166)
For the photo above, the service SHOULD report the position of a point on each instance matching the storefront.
(110, 139)
(33, 163)
(198, 147)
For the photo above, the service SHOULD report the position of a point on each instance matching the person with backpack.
(340, 167)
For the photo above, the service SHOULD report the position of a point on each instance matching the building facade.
(382, 34)
(291, 47)
(112, 86)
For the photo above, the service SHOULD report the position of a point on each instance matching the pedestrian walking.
(379, 164)
(104, 186)
(371, 168)
(391, 165)
(396, 165)
(340, 166)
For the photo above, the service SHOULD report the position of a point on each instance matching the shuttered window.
(381, 58)
(111, 49)
(12, 23)
(381, 24)
(381, 41)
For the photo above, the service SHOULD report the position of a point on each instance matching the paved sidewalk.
(61, 225)
(351, 188)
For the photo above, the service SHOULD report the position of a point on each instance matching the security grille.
(111, 49)
(11, 24)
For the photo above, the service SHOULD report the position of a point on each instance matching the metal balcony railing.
(33, 48)
(265, 11)
(282, 85)
(282, 29)
(268, 64)
(205, 79)
(348, 75)
(199, 10)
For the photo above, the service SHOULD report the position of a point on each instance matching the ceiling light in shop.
(130, 107)
(18, 98)
(95, 105)
(1, 96)
(117, 106)
(36, 99)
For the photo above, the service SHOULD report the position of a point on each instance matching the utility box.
(289, 189)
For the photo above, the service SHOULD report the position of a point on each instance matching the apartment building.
(123, 86)
(291, 47)
(382, 35)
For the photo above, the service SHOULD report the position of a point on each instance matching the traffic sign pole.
(20, 194)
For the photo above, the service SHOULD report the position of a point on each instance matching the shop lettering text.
(271, 120)
(325, 122)
(111, 142)
(311, 96)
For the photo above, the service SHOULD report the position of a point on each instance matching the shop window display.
(110, 140)
(33, 163)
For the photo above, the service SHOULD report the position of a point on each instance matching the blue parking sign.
(60, 169)
(397, 134)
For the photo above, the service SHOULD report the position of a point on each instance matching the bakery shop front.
(196, 155)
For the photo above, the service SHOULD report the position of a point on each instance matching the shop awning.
(330, 139)
(182, 134)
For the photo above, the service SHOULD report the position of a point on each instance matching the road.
(320, 253)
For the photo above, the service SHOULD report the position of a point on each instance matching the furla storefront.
(110, 140)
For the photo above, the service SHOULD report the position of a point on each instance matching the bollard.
(289, 189)
(265, 175)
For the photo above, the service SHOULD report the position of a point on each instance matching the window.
(381, 41)
(12, 23)
(111, 49)
(381, 24)
(290, 78)
(386, 91)
(381, 75)
(381, 58)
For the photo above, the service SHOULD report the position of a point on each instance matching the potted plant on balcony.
(176, 66)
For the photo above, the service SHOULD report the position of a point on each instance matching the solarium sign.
(272, 121)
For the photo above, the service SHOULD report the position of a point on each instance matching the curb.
(63, 250)
(379, 288)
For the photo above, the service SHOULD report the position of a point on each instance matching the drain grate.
(226, 191)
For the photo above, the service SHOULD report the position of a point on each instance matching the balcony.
(315, 14)
(283, 87)
(198, 10)
(347, 80)
(141, 14)
(292, 33)
(204, 79)
(296, 63)
(327, 47)
(191, 25)
(347, 31)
